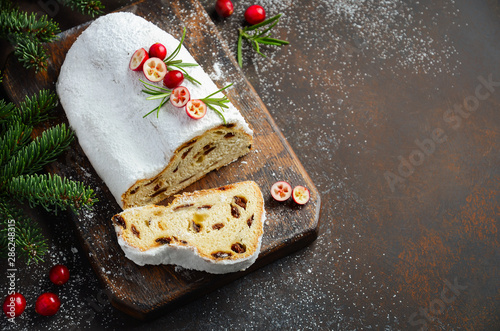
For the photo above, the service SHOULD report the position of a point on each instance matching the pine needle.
(53, 192)
(40, 152)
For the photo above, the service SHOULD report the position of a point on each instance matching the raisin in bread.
(141, 160)
(215, 230)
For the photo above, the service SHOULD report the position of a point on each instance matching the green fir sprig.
(28, 32)
(53, 192)
(22, 158)
(258, 37)
(28, 241)
(178, 64)
(38, 153)
(86, 7)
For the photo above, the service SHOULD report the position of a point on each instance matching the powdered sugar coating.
(105, 105)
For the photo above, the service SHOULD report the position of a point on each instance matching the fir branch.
(16, 25)
(52, 192)
(28, 239)
(27, 33)
(36, 109)
(31, 55)
(86, 7)
(40, 152)
(20, 158)
(16, 136)
(6, 110)
(31, 111)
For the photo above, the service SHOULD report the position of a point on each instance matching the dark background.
(370, 95)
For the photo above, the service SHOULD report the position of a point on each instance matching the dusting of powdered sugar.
(332, 285)
(360, 40)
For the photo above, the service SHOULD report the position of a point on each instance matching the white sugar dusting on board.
(392, 35)
(360, 41)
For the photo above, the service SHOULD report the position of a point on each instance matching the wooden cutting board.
(144, 292)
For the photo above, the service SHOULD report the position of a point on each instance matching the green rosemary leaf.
(154, 87)
(263, 32)
(239, 52)
(220, 90)
(148, 92)
(255, 45)
(182, 64)
(185, 73)
(219, 102)
(172, 62)
(218, 112)
(178, 64)
(152, 111)
(191, 79)
(177, 49)
(155, 97)
(156, 92)
(273, 41)
(266, 22)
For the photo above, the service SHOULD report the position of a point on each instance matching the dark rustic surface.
(361, 86)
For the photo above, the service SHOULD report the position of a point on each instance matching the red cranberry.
(59, 274)
(224, 8)
(47, 304)
(158, 50)
(173, 79)
(255, 14)
(14, 305)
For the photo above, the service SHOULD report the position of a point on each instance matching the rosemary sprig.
(156, 92)
(259, 37)
(178, 64)
(217, 102)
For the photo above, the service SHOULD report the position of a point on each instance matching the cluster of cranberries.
(47, 304)
(253, 14)
(155, 70)
(281, 191)
(152, 65)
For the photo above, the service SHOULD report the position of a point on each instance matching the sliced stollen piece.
(142, 160)
(215, 230)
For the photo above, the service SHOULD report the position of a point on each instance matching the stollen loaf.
(142, 160)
